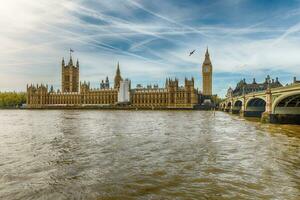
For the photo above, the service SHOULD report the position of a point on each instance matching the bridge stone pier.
(276, 105)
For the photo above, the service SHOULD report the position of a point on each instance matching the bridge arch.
(238, 103)
(223, 105)
(288, 103)
(237, 106)
(256, 102)
(229, 104)
(255, 107)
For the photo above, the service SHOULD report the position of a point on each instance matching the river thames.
(83, 154)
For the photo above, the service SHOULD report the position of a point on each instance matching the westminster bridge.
(274, 105)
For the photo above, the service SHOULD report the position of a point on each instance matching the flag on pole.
(71, 50)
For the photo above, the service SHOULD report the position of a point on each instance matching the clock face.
(206, 69)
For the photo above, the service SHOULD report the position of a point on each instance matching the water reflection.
(146, 155)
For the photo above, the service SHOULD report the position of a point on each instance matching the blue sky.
(150, 39)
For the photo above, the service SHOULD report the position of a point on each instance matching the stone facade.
(70, 76)
(77, 94)
(243, 87)
(172, 96)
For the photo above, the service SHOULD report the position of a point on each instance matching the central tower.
(70, 76)
(118, 77)
(207, 75)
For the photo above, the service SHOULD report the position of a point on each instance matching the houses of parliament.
(76, 94)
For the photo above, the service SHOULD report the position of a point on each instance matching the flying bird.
(192, 52)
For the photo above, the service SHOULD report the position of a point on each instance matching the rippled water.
(145, 155)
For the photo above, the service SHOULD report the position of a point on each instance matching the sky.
(151, 40)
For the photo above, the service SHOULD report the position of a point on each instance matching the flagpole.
(71, 50)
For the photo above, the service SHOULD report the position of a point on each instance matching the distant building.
(80, 94)
(243, 87)
(105, 85)
(295, 81)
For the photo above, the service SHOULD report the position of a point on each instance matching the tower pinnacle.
(118, 77)
(71, 61)
(207, 58)
(206, 53)
(118, 69)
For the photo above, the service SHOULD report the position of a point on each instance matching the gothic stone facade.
(172, 96)
(76, 94)
(243, 87)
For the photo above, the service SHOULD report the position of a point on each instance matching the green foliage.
(12, 99)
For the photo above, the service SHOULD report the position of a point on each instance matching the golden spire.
(207, 58)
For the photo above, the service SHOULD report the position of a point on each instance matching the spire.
(71, 61)
(206, 53)
(118, 77)
(63, 62)
(118, 69)
(77, 64)
(207, 58)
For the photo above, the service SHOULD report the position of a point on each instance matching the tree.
(12, 99)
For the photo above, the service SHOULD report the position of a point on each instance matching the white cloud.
(38, 33)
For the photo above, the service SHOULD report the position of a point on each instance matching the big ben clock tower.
(207, 75)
